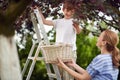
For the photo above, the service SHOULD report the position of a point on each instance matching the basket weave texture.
(52, 52)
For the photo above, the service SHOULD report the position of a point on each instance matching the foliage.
(86, 49)
(9, 12)
(97, 11)
(107, 11)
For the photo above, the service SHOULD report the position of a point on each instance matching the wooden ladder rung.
(52, 75)
(38, 58)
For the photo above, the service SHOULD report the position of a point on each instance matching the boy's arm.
(46, 22)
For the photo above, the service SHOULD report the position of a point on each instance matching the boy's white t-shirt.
(65, 32)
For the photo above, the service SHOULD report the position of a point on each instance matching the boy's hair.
(69, 5)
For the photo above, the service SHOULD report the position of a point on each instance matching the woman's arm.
(80, 75)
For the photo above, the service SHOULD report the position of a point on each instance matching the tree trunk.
(9, 61)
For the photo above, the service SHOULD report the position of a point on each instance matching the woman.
(104, 66)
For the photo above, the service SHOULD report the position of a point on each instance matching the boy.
(66, 29)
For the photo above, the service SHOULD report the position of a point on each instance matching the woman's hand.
(71, 63)
(60, 63)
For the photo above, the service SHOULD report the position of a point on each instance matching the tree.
(103, 14)
(9, 62)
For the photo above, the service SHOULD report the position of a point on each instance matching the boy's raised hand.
(76, 26)
(75, 23)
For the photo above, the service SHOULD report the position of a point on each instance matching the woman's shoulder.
(102, 57)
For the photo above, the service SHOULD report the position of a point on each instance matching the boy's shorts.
(65, 75)
(74, 55)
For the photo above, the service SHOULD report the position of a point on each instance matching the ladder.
(36, 19)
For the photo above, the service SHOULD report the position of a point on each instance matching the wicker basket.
(52, 52)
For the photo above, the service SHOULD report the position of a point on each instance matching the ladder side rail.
(33, 17)
(56, 70)
(35, 24)
(43, 32)
(27, 62)
(33, 63)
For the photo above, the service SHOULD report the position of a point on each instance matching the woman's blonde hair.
(112, 41)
